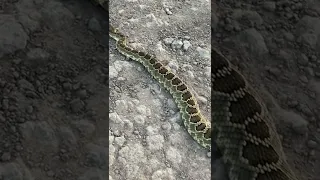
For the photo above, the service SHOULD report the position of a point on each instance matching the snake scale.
(241, 127)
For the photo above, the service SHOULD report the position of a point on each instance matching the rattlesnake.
(243, 129)
(241, 126)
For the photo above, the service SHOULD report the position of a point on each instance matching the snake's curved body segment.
(243, 129)
(196, 124)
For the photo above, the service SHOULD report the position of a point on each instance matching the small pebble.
(177, 44)
(312, 153)
(304, 79)
(119, 140)
(168, 41)
(166, 126)
(186, 37)
(167, 10)
(82, 93)
(6, 156)
(203, 53)
(186, 45)
(312, 144)
(29, 109)
(202, 99)
(190, 74)
(117, 133)
(94, 25)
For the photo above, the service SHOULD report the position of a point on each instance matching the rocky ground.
(147, 138)
(54, 84)
(54, 106)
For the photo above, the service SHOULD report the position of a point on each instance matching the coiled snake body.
(241, 127)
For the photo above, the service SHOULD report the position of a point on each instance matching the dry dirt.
(69, 102)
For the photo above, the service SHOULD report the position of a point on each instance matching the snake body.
(196, 124)
(241, 127)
